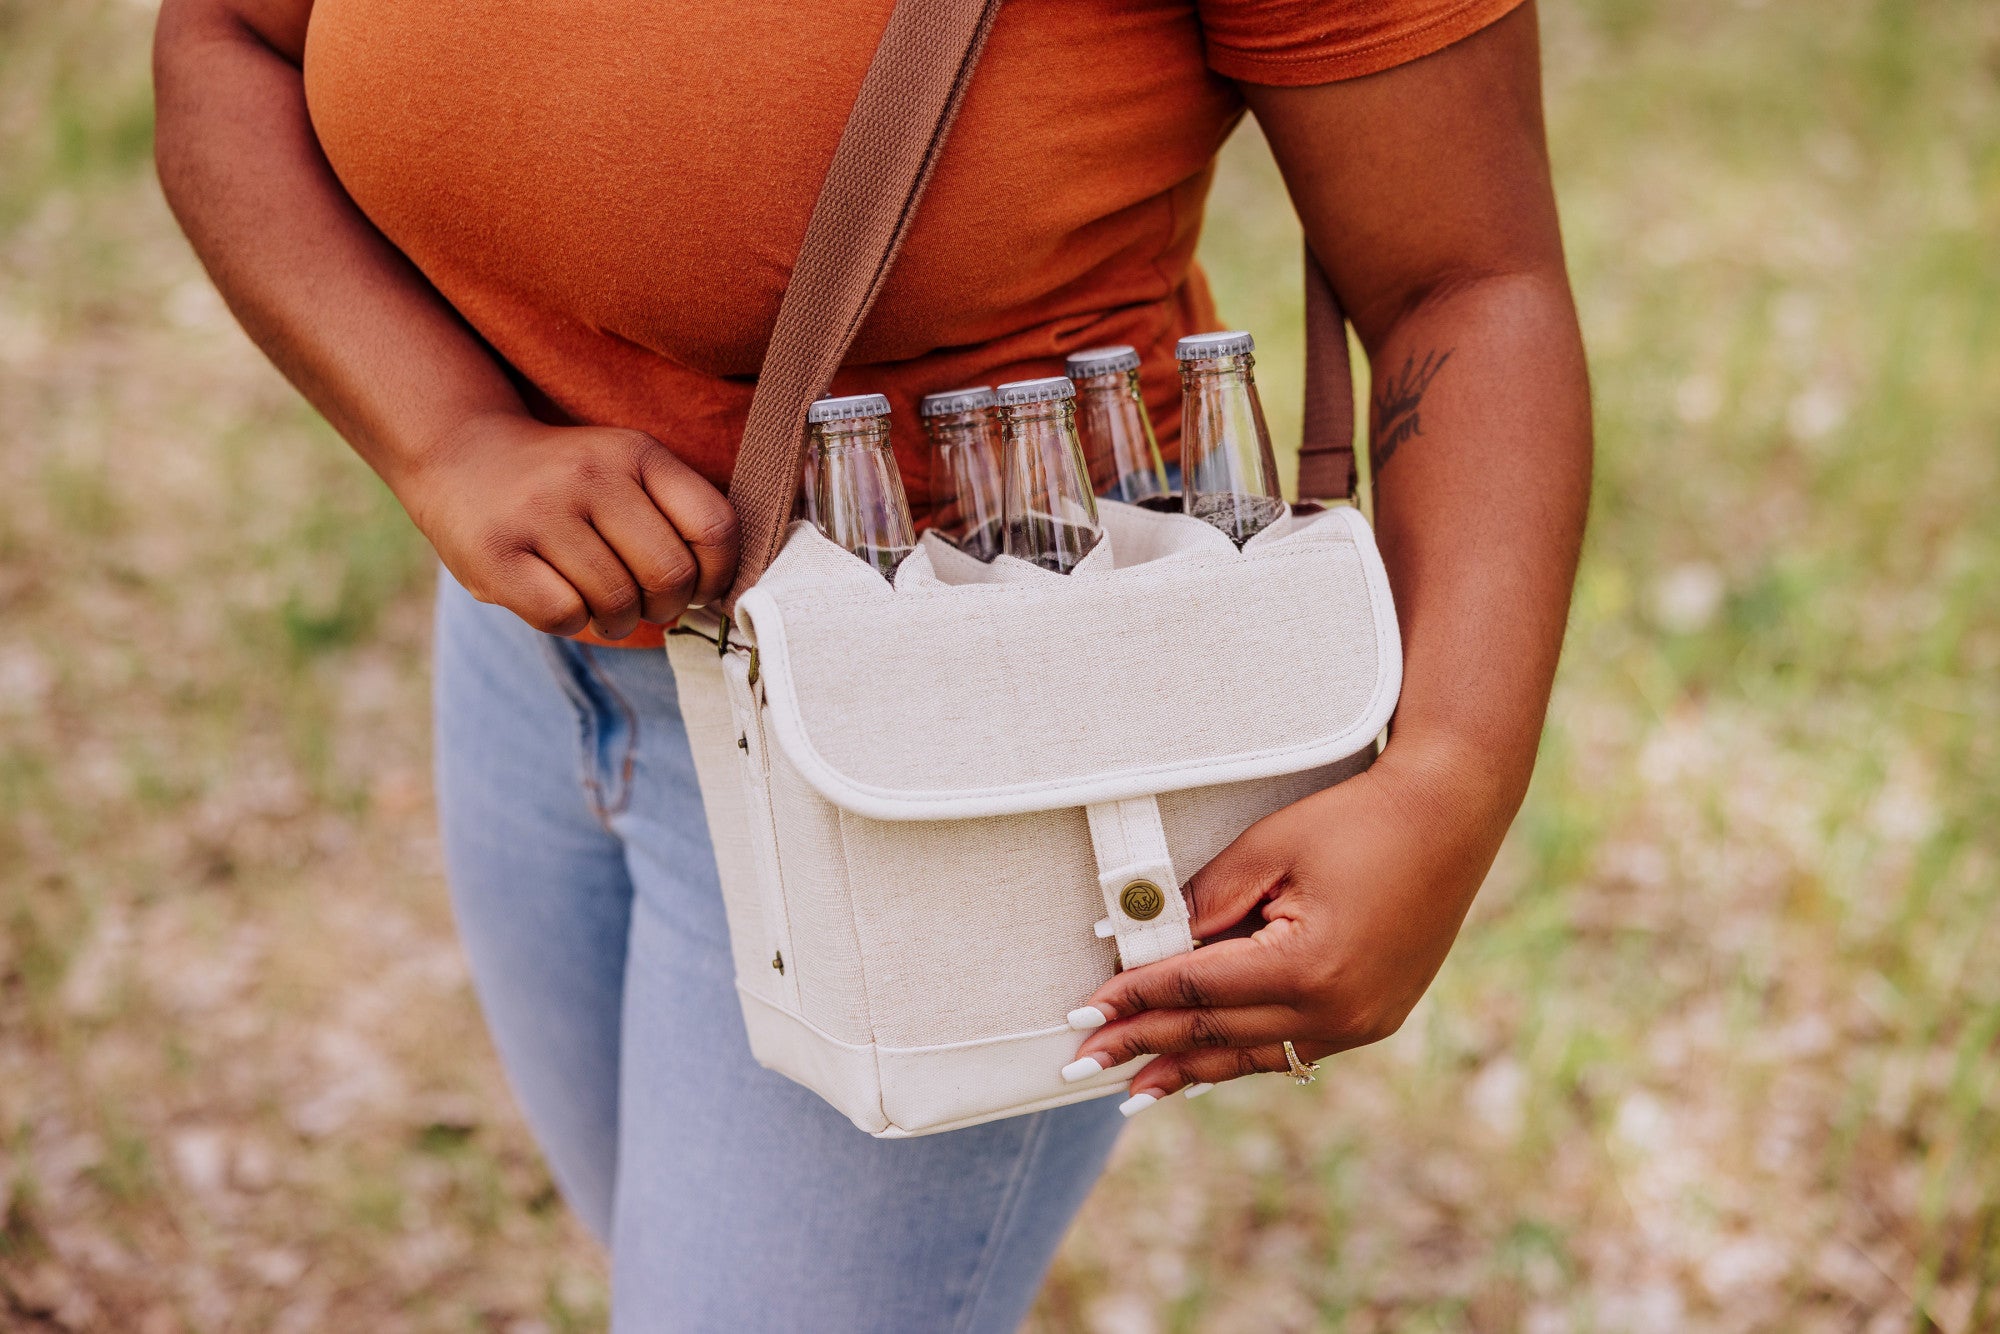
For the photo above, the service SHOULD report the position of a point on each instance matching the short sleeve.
(1299, 42)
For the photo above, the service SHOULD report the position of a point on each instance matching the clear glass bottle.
(1228, 475)
(807, 505)
(1113, 425)
(858, 491)
(965, 470)
(1051, 515)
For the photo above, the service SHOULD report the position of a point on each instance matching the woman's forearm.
(343, 314)
(1425, 191)
(1480, 436)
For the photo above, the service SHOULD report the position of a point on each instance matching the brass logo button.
(1142, 900)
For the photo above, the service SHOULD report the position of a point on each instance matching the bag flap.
(1191, 665)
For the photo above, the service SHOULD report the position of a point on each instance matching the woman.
(526, 257)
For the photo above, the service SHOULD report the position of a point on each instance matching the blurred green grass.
(1717, 1050)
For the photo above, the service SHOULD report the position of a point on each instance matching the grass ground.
(1720, 1049)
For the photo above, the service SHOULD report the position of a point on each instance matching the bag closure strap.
(1143, 907)
(894, 135)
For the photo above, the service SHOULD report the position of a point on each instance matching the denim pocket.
(607, 727)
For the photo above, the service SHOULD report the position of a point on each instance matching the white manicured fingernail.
(1083, 1067)
(1087, 1016)
(1196, 1090)
(1136, 1104)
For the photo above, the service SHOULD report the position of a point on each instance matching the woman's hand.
(568, 526)
(1355, 895)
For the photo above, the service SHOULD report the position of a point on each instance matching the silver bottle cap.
(1053, 389)
(1204, 347)
(1102, 361)
(848, 408)
(955, 400)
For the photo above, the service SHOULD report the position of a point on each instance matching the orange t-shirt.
(612, 192)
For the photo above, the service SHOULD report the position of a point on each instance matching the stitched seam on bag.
(1354, 735)
(1004, 1215)
(967, 1044)
(808, 1025)
(895, 1053)
(1088, 1093)
(764, 811)
(840, 819)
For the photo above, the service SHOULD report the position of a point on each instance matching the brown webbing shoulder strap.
(1326, 442)
(898, 125)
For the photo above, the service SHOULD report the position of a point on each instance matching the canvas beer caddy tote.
(946, 809)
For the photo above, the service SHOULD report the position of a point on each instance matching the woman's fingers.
(1246, 971)
(700, 514)
(1156, 1032)
(599, 577)
(649, 548)
(1236, 883)
(529, 587)
(1169, 1074)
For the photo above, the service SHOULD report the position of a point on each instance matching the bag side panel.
(753, 763)
(819, 902)
(711, 729)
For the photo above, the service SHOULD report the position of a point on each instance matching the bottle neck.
(1218, 374)
(1058, 414)
(957, 428)
(1117, 384)
(857, 433)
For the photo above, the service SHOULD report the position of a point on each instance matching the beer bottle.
(1228, 476)
(1051, 515)
(858, 492)
(807, 505)
(1112, 423)
(965, 469)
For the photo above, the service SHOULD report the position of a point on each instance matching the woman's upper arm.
(278, 24)
(1421, 177)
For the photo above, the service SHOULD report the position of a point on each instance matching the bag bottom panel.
(900, 1092)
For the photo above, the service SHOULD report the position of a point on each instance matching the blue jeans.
(732, 1199)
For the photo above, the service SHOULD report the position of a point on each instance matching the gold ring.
(1303, 1072)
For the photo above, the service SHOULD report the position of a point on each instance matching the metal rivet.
(743, 743)
(1142, 900)
(778, 962)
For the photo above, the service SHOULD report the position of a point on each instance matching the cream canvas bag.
(944, 811)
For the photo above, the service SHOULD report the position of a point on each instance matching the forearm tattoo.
(1395, 412)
